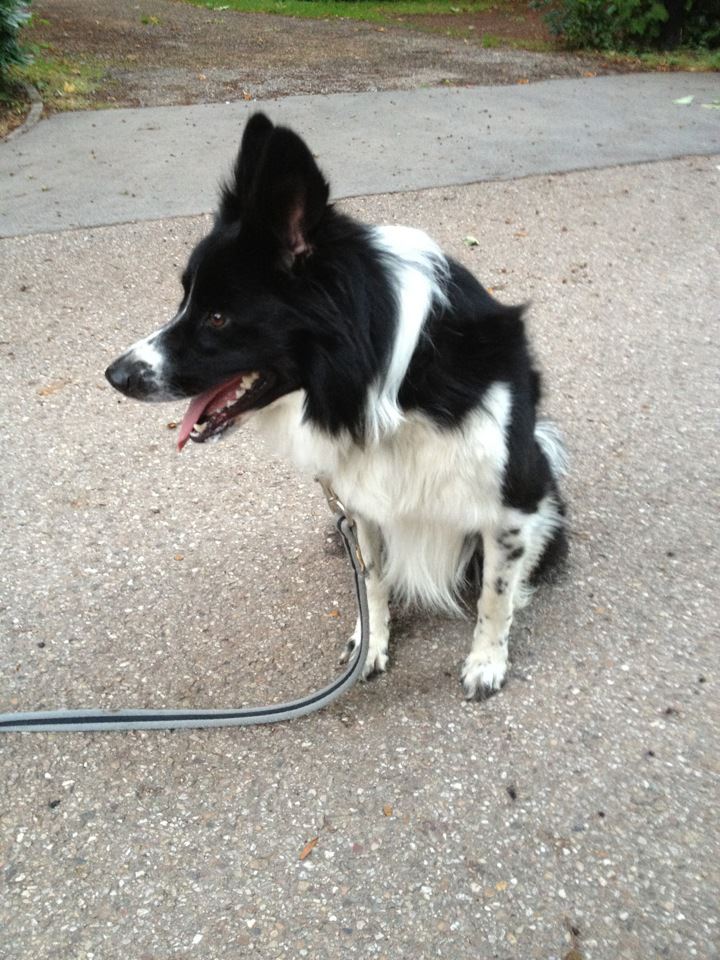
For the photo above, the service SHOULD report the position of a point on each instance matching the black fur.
(307, 296)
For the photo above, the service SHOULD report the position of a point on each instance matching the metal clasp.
(334, 502)
(338, 509)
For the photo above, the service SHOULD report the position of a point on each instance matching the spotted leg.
(505, 551)
(370, 540)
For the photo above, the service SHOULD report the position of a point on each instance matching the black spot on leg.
(500, 586)
(507, 541)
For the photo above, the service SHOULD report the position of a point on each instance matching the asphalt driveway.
(572, 816)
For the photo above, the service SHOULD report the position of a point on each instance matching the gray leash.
(86, 720)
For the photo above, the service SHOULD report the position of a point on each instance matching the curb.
(36, 109)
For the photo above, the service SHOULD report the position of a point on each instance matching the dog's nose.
(118, 375)
(129, 377)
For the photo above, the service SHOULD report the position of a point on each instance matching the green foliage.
(14, 14)
(628, 24)
(702, 23)
(375, 11)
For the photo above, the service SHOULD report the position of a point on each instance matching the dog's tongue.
(192, 415)
(211, 401)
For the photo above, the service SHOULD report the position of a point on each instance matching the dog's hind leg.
(370, 540)
(505, 552)
(511, 552)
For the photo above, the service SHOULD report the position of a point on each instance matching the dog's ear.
(289, 194)
(235, 194)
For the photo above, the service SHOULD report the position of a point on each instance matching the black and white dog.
(372, 360)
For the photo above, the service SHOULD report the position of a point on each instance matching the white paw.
(482, 675)
(377, 658)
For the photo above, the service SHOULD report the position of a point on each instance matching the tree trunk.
(671, 34)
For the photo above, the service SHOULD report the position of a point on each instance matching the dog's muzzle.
(133, 377)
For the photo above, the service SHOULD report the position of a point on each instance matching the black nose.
(129, 377)
(118, 375)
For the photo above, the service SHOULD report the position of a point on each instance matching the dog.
(376, 362)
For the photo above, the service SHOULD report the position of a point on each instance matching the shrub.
(14, 14)
(633, 24)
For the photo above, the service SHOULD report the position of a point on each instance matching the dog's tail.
(554, 555)
(550, 441)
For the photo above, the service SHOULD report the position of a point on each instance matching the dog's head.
(240, 336)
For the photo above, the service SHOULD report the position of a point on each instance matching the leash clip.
(340, 512)
(334, 502)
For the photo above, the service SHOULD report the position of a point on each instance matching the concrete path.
(85, 169)
(571, 817)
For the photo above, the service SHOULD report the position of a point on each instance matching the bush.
(633, 24)
(14, 14)
(702, 24)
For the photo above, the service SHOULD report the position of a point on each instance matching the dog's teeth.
(249, 380)
(199, 427)
(238, 393)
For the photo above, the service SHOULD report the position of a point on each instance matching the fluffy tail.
(555, 549)
(551, 443)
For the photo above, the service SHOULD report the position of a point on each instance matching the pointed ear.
(236, 192)
(290, 194)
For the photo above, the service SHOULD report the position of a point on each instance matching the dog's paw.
(377, 658)
(482, 676)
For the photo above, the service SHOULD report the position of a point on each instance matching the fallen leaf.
(524, 80)
(308, 848)
(69, 87)
(53, 387)
(471, 241)
(334, 613)
(501, 885)
(387, 810)
(684, 101)
(715, 105)
(172, 425)
(521, 233)
(179, 556)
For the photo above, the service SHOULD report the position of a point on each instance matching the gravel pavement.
(571, 817)
(86, 169)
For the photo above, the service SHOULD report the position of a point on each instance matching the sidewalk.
(85, 169)
(571, 817)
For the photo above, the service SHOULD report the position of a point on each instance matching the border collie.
(372, 360)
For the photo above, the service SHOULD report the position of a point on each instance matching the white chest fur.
(428, 489)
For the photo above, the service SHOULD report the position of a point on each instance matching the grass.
(382, 11)
(65, 83)
(392, 11)
(696, 59)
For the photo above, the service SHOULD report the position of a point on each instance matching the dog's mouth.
(212, 412)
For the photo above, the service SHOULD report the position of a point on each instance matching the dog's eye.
(216, 320)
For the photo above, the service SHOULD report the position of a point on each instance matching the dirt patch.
(516, 23)
(183, 54)
(14, 112)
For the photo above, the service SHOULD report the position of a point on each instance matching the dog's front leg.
(503, 567)
(370, 540)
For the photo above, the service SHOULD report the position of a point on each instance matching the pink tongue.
(194, 411)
